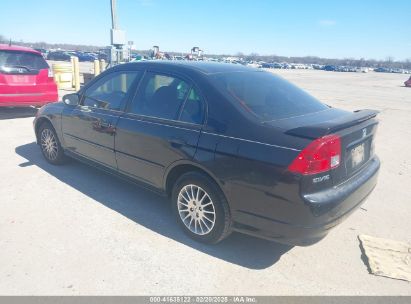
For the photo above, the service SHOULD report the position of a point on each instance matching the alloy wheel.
(196, 209)
(49, 144)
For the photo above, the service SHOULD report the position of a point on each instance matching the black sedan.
(235, 148)
(58, 56)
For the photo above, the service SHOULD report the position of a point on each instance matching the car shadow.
(152, 211)
(18, 112)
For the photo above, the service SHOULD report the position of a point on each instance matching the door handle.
(104, 126)
(85, 109)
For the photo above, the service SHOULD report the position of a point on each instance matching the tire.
(204, 222)
(50, 145)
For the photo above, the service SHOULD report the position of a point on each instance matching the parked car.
(266, 65)
(286, 65)
(25, 78)
(277, 65)
(330, 68)
(103, 56)
(43, 52)
(142, 58)
(59, 56)
(382, 70)
(408, 83)
(235, 148)
(83, 57)
(318, 67)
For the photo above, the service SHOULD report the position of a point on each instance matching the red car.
(25, 78)
(408, 82)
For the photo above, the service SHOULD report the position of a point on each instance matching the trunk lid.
(356, 130)
(334, 122)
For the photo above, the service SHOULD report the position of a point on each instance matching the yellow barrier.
(102, 65)
(63, 75)
(73, 76)
(96, 67)
(76, 66)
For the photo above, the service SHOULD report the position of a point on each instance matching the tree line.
(46, 45)
(388, 62)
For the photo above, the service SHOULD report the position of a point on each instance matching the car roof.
(6, 47)
(197, 66)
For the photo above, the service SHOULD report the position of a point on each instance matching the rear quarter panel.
(253, 177)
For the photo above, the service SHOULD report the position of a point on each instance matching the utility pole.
(118, 37)
(113, 14)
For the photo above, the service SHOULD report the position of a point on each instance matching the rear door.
(89, 129)
(161, 125)
(22, 73)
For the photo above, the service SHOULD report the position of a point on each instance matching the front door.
(89, 129)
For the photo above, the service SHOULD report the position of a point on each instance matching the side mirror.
(71, 99)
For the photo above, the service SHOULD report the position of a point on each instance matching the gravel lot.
(73, 230)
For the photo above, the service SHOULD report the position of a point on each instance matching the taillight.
(321, 155)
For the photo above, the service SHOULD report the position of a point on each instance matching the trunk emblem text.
(321, 178)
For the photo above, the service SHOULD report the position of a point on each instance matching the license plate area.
(357, 155)
(20, 79)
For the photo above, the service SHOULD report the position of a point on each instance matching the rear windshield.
(27, 60)
(266, 95)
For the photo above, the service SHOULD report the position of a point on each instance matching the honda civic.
(234, 148)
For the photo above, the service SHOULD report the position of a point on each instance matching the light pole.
(118, 37)
(113, 14)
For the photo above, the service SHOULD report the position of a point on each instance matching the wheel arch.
(41, 120)
(178, 168)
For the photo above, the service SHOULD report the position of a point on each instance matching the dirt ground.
(73, 230)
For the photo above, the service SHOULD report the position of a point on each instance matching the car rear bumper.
(27, 99)
(324, 210)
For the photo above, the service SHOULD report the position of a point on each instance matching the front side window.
(110, 91)
(160, 96)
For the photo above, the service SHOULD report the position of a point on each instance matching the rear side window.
(193, 110)
(110, 91)
(29, 61)
(160, 96)
(266, 95)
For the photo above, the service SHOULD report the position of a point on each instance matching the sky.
(332, 29)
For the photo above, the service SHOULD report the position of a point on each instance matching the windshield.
(27, 60)
(266, 95)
